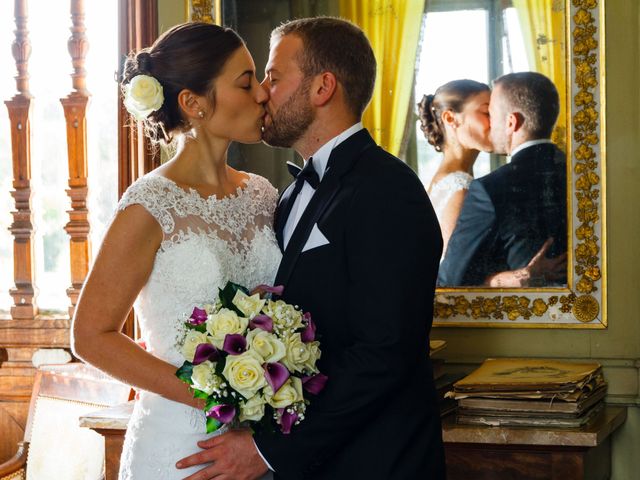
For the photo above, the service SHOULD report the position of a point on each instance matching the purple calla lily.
(315, 383)
(287, 420)
(309, 333)
(204, 352)
(198, 316)
(222, 413)
(264, 322)
(276, 375)
(234, 344)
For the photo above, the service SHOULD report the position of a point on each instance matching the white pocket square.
(316, 239)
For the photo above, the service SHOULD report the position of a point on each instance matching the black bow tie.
(307, 174)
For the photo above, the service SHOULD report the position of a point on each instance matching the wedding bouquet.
(251, 359)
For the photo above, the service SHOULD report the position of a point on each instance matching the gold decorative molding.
(583, 303)
(208, 11)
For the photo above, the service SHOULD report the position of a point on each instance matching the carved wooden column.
(75, 106)
(24, 305)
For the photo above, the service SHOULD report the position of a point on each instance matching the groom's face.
(498, 117)
(289, 111)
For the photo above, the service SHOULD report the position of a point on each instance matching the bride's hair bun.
(143, 60)
(188, 56)
(430, 123)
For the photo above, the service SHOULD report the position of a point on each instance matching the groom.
(361, 251)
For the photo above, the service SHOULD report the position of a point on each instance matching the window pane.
(7, 90)
(102, 121)
(515, 54)
(446, 56)
(50, 66)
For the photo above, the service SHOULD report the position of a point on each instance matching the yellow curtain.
(543, 28)
(393, 28)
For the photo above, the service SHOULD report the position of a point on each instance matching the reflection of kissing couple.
(360, 247)
(508, 228)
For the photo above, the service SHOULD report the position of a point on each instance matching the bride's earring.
(201, 113)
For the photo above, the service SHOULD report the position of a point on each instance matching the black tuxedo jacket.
(507, 215)
(370, 292)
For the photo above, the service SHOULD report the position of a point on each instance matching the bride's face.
(473, 123)
(238, 112)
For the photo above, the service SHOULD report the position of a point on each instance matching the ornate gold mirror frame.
(582, 304)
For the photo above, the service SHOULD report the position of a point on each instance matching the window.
(475, 39)
(50, 68)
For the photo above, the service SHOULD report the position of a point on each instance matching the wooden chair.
(55, 446)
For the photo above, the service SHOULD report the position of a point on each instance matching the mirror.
(564, 40)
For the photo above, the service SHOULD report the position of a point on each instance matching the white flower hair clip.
(143, 95)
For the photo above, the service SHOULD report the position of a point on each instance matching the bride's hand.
(540, 269)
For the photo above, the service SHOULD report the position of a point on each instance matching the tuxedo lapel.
(280, 217)
(341, 160)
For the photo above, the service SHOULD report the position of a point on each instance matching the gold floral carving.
(586, 308)
(579, 300)
(202, 11)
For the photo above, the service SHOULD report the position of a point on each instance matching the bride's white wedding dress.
(443, 190)
(206, 243)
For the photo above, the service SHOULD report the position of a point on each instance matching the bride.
(180, 232)
(455, 121)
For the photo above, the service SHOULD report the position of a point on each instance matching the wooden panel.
(13, 418)
(137, 28)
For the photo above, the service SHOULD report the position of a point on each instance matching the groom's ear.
(323, 88)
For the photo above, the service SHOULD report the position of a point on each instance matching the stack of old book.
(530, 392)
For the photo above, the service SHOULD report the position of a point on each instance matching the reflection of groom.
(509, 214)
(361, 252)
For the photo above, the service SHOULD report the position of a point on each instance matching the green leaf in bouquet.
(212, 425)
(227, 294)
(202, 328)
(200, 394)
(184, 372)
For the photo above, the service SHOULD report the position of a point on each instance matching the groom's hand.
(233, 454)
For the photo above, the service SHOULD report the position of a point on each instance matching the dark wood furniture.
(526, 453)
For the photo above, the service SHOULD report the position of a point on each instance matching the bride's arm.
(121, 269)
(450, 216)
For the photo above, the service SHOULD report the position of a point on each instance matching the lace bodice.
(206, 242)
(442, 191)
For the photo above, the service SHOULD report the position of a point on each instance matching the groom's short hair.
(337, 46)
(535, 97)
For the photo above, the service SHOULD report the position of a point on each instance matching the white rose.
(143, 95)
(289, 393)
(249, 305)
(223, 323)
(285, 316)
(252, 409)
(266, 345)
(297, 353)
(314, 356)
(204, 377)
(244, 373)
(191, 342)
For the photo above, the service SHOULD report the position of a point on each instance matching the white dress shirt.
(320, 160)
(529, 143)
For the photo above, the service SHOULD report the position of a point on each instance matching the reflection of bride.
(455, 120)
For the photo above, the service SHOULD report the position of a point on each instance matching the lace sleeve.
(153, 196)
(265, 197)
